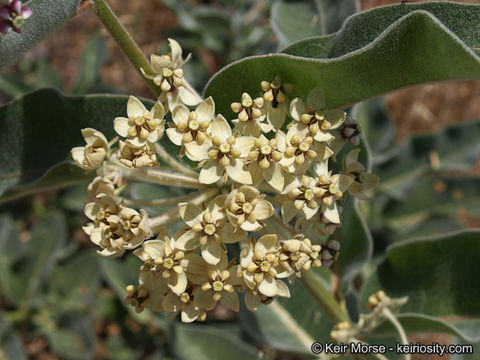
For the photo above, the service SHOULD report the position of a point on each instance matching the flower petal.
(211, 172)
(206, 110)
(274, 176)
(276, 116)
(266, 243)
(135, 108)
(204, 299)
(120, 124)
(178, 283)
(316, 99)
(188, 97)
(180, 114)
(188, 241)
(230, 300)
(336, 118)
(176, 51)
(175, 136)
(237, 172)
(297, 108)
(212, 252)
(331, 213)
(263, 209)
(268, 286)
(252, 301)
(219, 127)
(196, 152)
(244, 144)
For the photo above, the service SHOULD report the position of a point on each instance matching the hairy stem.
(318, 290)
(171, 215)
(174, 163)
(160, 202)
(129, 47)
(401, 332)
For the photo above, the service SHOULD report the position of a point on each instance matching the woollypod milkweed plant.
(190, 272)
(285, 198)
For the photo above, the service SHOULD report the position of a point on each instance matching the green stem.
(129, 47)
(161, 202)
(173, 163)
(403, 336)
(326, 300)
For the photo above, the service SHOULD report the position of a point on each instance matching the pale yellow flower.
(226, 155)
(189, 128)
(298, 254)
(92, 155)
(246, 208)
(216, 282)
(276, 101)
(314, 117)
(250, 116)
(185, 304)
(299, 196)
(333, 187)
(259, 261)
(150, 293)
(264, 160)
(161, 257)
(207, 229)
(136, 157)
(101, 185)
(115, 228)
(168, 75)
(253, 298)
(141, 125)
(299, 150)
(363, 182)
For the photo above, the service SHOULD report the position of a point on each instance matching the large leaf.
(296, 20)
(436, 273)
(292, 324)
(24, 269)
(376, 51)
(202, 342)
(47, 16)
(40, 129)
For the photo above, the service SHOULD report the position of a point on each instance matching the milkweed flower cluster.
(274, 181)
(13, 15)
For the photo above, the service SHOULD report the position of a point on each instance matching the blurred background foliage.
(58, 300)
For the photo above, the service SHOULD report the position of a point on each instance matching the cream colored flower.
(298, 254)
(264, 160)
(150, 293)
(141, 125)
(259, 261)
(208, 229)
(362, 183)
(250, 116)
(161, 257)
(101, 185)
(189, 128)
(313, 116)
(246, 208)
(225, 156)
(216, 282)
(115, 228)
(300, 150)
(92, 155)
(168, 75)
(300, 195)
(276, 101)
(351, 131)
(185, 304)
(136, 157)
(333, 187)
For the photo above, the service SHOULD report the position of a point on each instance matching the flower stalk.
(129, 47)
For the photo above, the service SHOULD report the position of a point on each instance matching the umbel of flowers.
(266, 186)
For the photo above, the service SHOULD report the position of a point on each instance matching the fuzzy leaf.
(39, 130)
(296, 20)
(47, 16)
(375, 52)
(434, 272)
